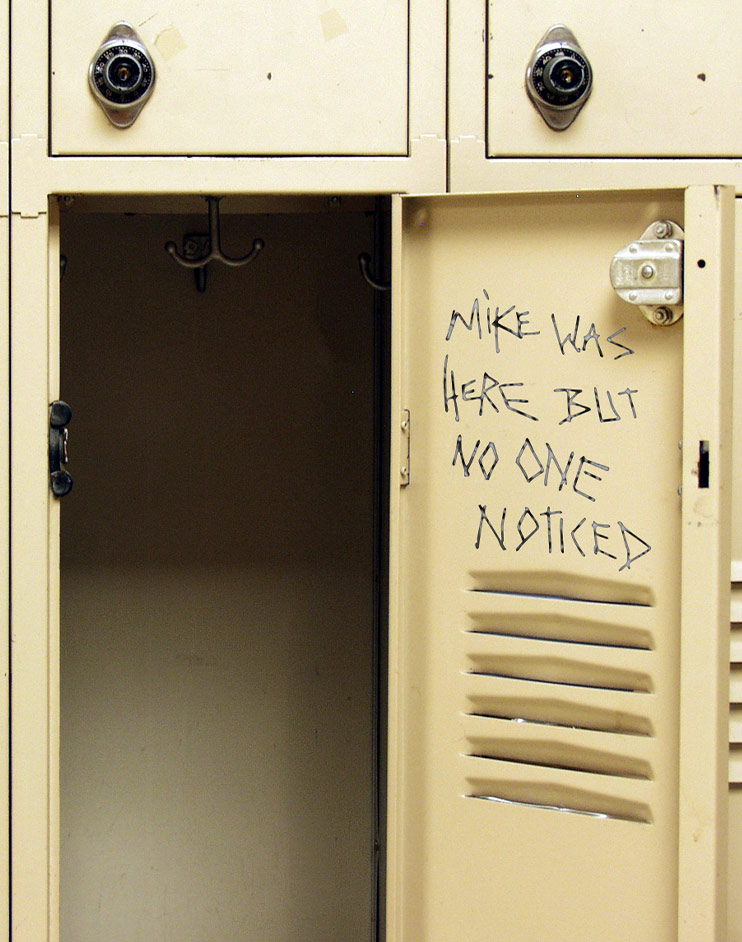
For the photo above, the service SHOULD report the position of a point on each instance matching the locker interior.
(222, 580)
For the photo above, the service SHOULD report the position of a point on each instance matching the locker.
(289, 79)
(647, 100)
(537, 667)
(372, 615)
(217, 650)
(660, 81)
(215, 640)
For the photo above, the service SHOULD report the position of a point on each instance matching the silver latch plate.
(649, 272)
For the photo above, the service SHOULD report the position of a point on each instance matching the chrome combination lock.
(559, 78)
(122, 75)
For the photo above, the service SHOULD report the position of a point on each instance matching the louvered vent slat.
(735, 724)
(735, 764)
(735, 644)
(735, 683)
(557, 712)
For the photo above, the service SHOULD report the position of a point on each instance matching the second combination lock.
(122, 75)
(559, 78)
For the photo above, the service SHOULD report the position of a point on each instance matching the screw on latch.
(662, 315)
(60, 416)
(663, 229)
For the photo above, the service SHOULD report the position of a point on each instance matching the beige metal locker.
(209, 626)
(200, 674)
(573, 625)
(295, 80)
(662, 80)
(649, 99)
(558, 649)
(290, 78)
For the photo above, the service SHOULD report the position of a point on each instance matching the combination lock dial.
(122, 75)
(559, 78)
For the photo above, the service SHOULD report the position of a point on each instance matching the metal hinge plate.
(60, 416)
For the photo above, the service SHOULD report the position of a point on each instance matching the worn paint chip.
(170, 42)
(333, 25)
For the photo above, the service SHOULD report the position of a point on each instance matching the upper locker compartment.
(663, 75)
(646, 81)
(326, 78)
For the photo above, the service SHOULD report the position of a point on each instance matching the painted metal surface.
(537, 612)
(288, 78)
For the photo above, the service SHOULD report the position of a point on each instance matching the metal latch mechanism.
(60, 416)
(649, 273)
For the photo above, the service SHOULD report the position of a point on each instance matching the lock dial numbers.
(561, 76)
(122, 74)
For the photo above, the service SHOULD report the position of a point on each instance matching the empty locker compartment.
(219, 579)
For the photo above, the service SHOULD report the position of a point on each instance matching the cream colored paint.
(35, 611)
(4, 477)
(663, 77)
(499, 854)
(337, 80)
(735, 862)
(706, 539)
(493, 133)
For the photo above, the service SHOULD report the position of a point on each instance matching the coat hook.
(364, 260)
(198, 255)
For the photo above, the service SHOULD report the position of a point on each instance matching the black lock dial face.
(561, 76)
(122, 74)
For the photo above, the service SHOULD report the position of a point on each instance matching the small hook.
(364, 260)
(214, 242)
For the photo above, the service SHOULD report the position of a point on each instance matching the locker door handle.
(60, 416)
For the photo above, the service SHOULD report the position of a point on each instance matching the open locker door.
(559, 571)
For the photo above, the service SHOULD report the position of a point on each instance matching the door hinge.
(404, 449)
(60, 416)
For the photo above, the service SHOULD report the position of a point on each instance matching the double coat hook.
(198, 251)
